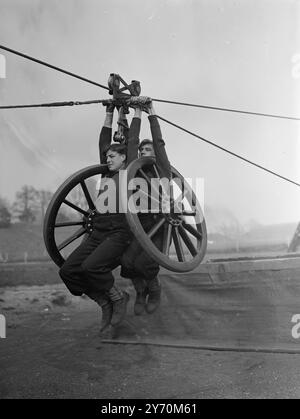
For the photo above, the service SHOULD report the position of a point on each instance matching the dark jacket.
(132, 152)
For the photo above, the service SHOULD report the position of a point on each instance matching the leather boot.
(107, 312)
(154, 292)
(119, 300)
(141, 295)
(106, 306)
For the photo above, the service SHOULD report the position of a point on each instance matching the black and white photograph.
(149, 202)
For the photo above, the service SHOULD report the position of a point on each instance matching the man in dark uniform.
(88, 270)
(136, 264)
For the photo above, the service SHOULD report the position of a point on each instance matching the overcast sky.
(235, 54)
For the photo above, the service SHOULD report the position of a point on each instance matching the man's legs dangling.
(97, 269)
(72, 275)
(88, 270)
(106, 306)
(71, 271)
(137, 279)
(147, 267)
(143, 272)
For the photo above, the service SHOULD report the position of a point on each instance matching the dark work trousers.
(89, 267)
(135, 262)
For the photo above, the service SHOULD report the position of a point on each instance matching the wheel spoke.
(149, 199)
(69, 223)
(158, 177)
(167, 239)
(74, 236)
(189, 213)
(75, 207)
(192, 230)
(178, 202)
(156, 227)
(167, 194)
(189, 244)
(171, 198)
(148, 196)
(87, 195)
(145, 176)
(178, 245)
(151, 184)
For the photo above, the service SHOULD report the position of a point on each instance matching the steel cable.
(28, 57)
(157, 100)
(228, 151)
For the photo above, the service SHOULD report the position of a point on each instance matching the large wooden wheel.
(70, 211)
(182, 227)
(69, 218)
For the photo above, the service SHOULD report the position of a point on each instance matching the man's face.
(114, 160)
(147, 150)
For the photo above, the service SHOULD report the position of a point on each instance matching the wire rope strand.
(28, 57)
(156, 100)
(53, 104)
(293, 118)
(229, 152)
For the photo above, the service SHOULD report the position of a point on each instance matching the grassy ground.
(24, 242)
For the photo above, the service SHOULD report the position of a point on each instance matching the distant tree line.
(5, 215)
(29, 206)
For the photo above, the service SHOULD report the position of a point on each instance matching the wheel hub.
(174, 220)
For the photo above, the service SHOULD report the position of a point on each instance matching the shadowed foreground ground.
(53, 349)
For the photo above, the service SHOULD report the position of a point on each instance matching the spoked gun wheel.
(181, 225)
(183, 228)
(80, 214)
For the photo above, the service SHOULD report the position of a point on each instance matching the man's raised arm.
(162, 161)
(133, 136)
(106, 133)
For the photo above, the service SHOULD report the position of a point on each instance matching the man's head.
(146, 148)
(116, 156)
